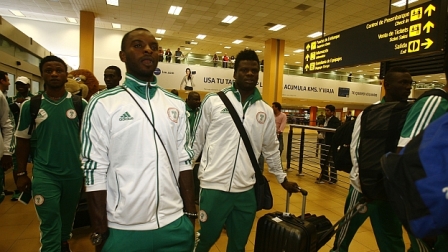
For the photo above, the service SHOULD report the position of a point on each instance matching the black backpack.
(35, 107)
(381, 126)
(417, 183)
(340, 146)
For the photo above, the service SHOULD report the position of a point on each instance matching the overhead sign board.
(415, 31)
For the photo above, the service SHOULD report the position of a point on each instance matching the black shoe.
(332, 182)
(8, 192)
(65, 247)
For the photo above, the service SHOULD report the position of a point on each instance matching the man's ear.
(122, 56)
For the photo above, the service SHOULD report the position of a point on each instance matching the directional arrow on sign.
(428, 43)
(430, 9)
(307, 57)
(307, 67)
(308, 47)
(428, 26)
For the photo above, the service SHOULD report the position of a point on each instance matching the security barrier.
(305, 154)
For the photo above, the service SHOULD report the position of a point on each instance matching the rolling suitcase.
(284, 232)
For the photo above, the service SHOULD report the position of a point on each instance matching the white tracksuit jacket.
(123, 155)
(225, 164)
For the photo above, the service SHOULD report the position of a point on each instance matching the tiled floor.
(19, 226)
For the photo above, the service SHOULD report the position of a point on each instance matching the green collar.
(141, 87)
(189, 109)
(256, 96)
(383, 100)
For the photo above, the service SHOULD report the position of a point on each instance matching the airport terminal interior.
(202, 29)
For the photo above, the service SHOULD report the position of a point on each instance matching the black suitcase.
(284, 232)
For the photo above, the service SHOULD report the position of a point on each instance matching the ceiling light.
(258, 51)
(158, 38)
(376, 68)
(229, 19)
(200, 36)
(112, 2)
(218, 52)
(359, 71)
(71, 20)
(17, 13)
(175, 10)
(227, 47)
(160, 31)
(315, 35)
(298, 51)
(402, 3)
(116, 26)
(193, 43)
(187, 49)
(442, 78)
(277, 27)
(237, 41)
(286, 55)
(297, 62)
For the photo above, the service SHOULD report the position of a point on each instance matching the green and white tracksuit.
(422, 113)
(6, 137)
(226, 174)
(123, 155)
(57, 174)
(386, 226)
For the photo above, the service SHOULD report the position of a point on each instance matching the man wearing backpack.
(386, 226)
(57, 174)
(430, 106)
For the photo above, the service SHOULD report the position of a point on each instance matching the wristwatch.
(97, 238)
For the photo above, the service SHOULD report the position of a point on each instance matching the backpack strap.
(34, 110)
(77, 103)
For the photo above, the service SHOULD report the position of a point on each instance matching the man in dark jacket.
(330, 122)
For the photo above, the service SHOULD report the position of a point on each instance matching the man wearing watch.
(137, 166)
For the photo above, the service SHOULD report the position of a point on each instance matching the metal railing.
(306, 154)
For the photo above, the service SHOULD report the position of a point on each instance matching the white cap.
(23, 79)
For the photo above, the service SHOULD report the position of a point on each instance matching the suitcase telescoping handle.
(288, 196)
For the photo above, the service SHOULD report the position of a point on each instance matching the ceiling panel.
(204, 17)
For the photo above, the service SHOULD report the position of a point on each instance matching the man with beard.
(226, 173)
(57, 174)
(136, 159)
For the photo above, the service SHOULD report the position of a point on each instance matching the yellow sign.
(415, 30)
(312, 65)
(313, 45)
(416, 14)
(313, 56)
(414, 46)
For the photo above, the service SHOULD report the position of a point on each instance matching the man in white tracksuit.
(226, 174)
(137, 165)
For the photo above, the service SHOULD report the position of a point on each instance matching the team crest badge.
(71, 114)
(261, 117)
(39, 200)
(173, 114)
(202, 216)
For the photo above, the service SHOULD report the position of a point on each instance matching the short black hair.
(117, 69)
(389, 75)
(246, 54)
(277, 105)
(193, 93)
(49, 59)
(174, 91)
(3, 75)
(331, 108)
(125, 37)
